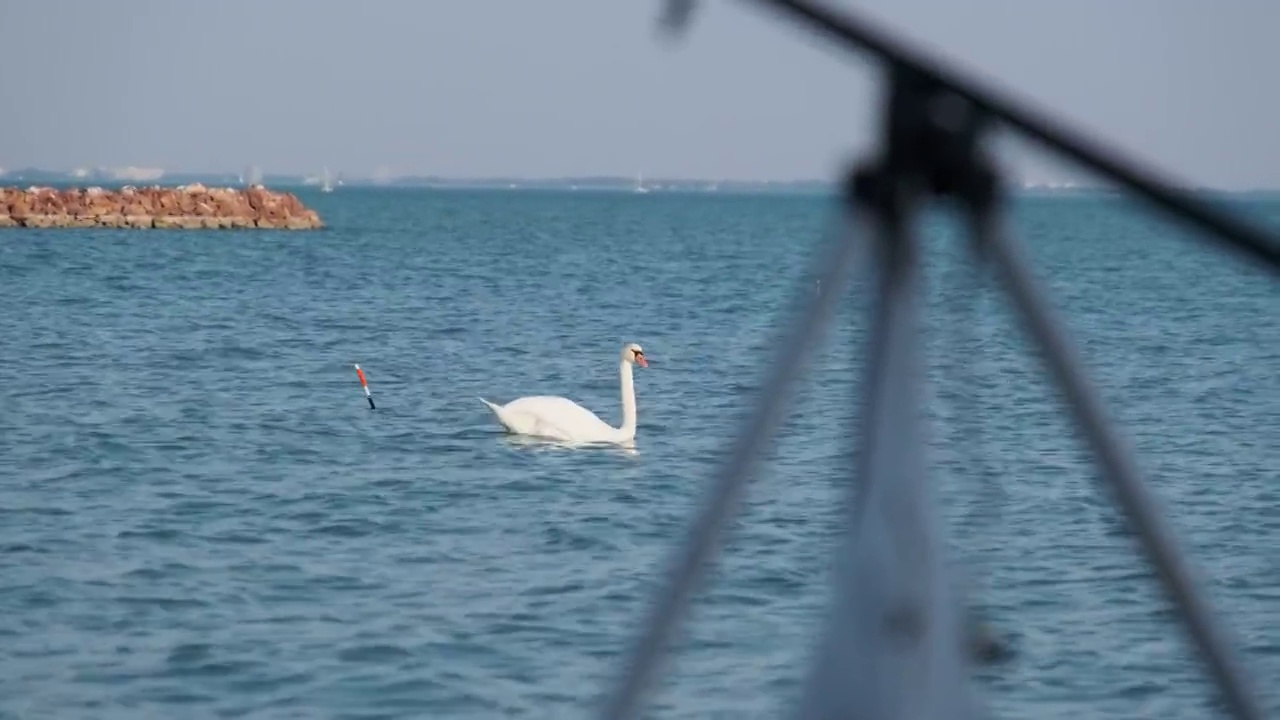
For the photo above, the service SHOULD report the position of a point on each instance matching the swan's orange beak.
(641, 361)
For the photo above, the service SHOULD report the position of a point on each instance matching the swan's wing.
(555, 416)
(529, 417)
(551, 407)
(546, 428)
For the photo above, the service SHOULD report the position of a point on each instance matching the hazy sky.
(573, 87)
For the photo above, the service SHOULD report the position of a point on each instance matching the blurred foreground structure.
(895, 646)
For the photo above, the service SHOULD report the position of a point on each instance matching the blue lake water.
(201, 517)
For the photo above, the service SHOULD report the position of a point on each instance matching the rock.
(99, 209)
(187, 207)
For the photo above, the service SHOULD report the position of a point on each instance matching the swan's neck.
(628, 429)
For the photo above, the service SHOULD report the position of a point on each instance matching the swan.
(558, 418)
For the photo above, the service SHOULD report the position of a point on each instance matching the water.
(202, 518)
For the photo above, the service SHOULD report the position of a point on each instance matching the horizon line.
(155, 175)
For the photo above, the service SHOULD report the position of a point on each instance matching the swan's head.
(634, 354)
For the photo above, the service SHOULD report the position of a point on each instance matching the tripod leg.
(1116, 461)
(835, 266)
(893, 644)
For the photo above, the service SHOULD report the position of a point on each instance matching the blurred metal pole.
(835, 264)
(892, 647)
(1116, 461)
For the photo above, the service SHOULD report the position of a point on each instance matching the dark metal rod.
(891, 648)
(1228, 229)
(835, 266)
(1117, 465)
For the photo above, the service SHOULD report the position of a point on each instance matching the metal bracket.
(875, 664)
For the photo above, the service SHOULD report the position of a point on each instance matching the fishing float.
(365, 384)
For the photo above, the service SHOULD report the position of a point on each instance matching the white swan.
(559, 418)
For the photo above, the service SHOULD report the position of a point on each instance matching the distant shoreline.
(52, 178)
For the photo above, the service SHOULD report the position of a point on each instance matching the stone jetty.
(187, 207)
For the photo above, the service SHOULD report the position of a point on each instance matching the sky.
(554, 88)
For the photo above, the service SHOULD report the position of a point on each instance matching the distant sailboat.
(640, 188)
(326, 184)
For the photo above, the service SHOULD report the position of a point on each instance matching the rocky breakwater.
(187, 207)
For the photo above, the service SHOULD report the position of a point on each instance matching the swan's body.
(558, 418)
